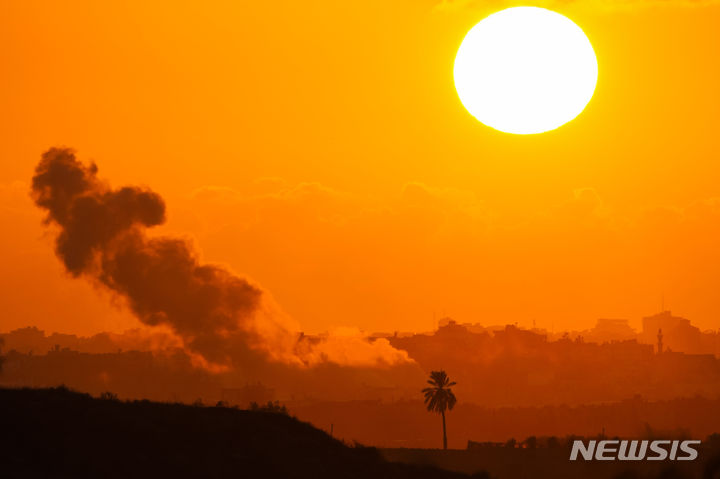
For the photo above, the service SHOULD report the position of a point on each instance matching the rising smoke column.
(220, 316)
(102, 236)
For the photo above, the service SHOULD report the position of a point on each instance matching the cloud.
(389, 262)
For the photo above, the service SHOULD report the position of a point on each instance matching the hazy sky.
(319, 148)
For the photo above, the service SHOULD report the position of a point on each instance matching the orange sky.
(319, 148)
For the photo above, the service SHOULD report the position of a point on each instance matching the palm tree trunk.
(444, 431)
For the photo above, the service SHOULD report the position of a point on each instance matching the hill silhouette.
(59, 433)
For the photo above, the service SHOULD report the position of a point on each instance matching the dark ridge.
(58, 433)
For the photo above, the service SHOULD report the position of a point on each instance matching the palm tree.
(440, 397)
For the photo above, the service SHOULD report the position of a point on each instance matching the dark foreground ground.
(56, 433)
(516, 463)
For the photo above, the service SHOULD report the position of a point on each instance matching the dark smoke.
(101, 235)
(223, 319)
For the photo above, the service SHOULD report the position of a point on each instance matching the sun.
(525, 70)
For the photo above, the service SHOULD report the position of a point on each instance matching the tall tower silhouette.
(660, 341)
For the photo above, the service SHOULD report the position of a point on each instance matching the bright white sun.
(525, 70)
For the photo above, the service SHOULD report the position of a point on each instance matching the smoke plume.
(223, 320)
